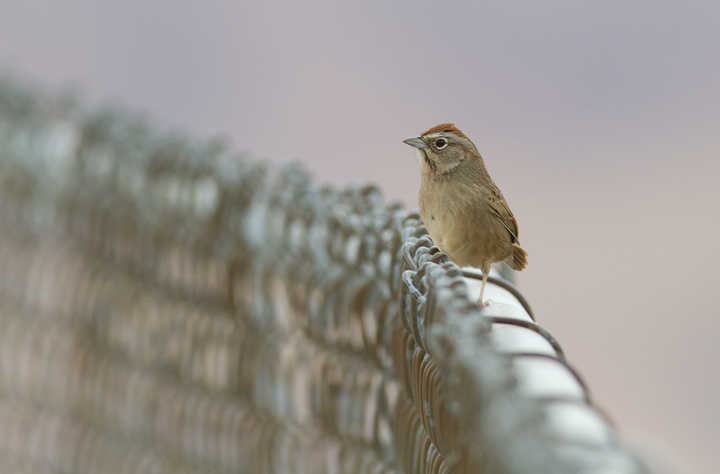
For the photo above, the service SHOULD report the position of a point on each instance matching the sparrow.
(462, 208)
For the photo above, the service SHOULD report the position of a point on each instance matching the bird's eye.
(441, 143)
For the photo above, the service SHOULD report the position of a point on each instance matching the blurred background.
(599, 121)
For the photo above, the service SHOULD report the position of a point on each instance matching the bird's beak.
(417, 142)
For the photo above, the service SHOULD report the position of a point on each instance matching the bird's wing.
(500, 209)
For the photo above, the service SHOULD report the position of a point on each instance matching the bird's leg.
(480, 301)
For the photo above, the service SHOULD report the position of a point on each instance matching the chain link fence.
(167, 305)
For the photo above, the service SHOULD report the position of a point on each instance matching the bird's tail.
(517, 259)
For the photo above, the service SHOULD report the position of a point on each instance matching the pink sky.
(600, 122)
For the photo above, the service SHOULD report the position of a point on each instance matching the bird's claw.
(485, 303)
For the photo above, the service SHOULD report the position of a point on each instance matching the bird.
(463, 210)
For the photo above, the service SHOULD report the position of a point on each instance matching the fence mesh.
(167, 305)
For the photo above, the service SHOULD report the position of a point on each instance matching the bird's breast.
(462, 227)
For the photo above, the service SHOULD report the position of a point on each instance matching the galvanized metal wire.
(167, 305)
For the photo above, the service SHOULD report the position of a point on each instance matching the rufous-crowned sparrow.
(462, 208)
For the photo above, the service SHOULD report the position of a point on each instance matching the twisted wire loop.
(169, 306)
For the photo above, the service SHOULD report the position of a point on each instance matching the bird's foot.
(483, 304)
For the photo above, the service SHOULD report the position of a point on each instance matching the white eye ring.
(441, 143)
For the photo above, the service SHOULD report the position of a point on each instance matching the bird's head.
(442, 148)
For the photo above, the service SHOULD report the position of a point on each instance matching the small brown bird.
(462, 208)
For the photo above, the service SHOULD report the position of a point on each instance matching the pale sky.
(598, 120)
